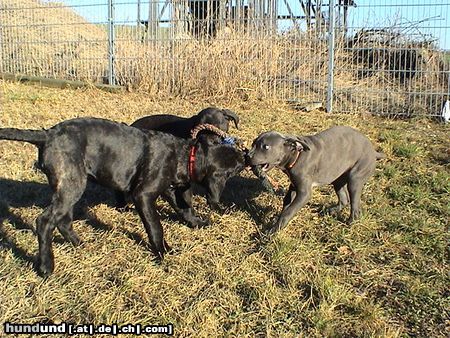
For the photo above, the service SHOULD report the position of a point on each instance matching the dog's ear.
(231, 115)
(296, 143)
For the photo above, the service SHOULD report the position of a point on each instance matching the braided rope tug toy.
(209, 127)
(226, 139)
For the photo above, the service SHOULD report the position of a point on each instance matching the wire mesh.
(392, 57)
(54, 39)
(389, 57)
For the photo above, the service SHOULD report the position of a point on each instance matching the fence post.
(153, 24)
(138, 13)
(331, 32)
(111, 38)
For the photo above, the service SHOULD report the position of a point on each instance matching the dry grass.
(384, 276)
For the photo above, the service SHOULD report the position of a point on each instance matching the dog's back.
(337, 150)
(105, 150)
(343, 140)
(175, 125)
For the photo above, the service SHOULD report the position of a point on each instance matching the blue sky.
(416, 18)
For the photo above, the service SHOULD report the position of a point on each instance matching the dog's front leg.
(215, 188)
(145, 203)
(300, 197)
(181, 201)
(290, 196)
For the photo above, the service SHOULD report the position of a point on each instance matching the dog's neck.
(195, 162)
(191, 162)
(291, 160)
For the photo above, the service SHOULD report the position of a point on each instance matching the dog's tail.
(36, 137)
(379, 156)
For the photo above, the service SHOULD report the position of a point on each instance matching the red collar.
(295, 160)
(191, 162)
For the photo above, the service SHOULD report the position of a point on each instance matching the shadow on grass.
(7, 243)
(241, 193)
(25, 194)
(97, 224)
(20, 194)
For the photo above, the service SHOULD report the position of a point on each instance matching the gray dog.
(340, 156)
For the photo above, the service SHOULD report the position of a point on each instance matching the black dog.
(144, 165)
(182, 127)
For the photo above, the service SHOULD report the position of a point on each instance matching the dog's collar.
(191, 162)
(290, 166)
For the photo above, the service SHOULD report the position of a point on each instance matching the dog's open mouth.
(265, 167)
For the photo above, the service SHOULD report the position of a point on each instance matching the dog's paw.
(334, 210)
(260, 238)
(268, 231)
(200, 223)
(74, 239)
(158, 259)
(159, 254)
(218, 207)
(124, 208)
(44, 268)
(355, 215)
(197, 222)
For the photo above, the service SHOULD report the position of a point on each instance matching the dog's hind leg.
(340, 187)
(44, 228)
(355, 187)
(343, 197)
(58, 214)
(357, 177)
(68, 182)
(66, 229)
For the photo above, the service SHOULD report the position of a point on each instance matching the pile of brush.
(392, 70)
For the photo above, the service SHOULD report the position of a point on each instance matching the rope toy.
(226, 139)
(209, 127)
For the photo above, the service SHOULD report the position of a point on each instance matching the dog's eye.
(265, 146)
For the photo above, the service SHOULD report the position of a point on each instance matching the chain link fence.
(376, 56)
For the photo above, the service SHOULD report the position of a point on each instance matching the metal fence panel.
(54, 39)
(392, 56)
(387, 57)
